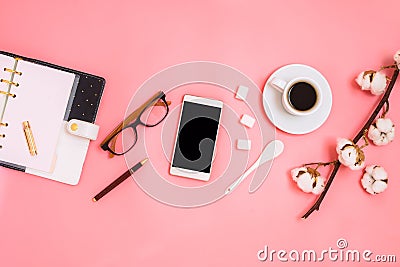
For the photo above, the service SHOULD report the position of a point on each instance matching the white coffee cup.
(301, 96)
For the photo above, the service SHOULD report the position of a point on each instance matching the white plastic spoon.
(271, 151)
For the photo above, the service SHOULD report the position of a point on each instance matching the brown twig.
(389, 67)
(319, 164)
(385, 99)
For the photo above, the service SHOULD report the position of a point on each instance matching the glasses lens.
(154, 114)
(123, 141)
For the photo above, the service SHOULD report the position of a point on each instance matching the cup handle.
(278, 84)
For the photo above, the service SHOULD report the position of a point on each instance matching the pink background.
(45, 223)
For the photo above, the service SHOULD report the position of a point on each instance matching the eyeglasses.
(124, 137)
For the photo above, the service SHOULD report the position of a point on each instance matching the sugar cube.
(241, 92)
(247, 120)
(243, 144)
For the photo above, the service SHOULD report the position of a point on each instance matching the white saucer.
(272, 101)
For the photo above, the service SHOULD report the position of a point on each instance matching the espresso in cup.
(302, 96)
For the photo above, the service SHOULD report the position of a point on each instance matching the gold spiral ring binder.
(9, 82)
(13, 71)
(9, 94)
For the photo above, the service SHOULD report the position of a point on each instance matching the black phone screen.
(197, 134)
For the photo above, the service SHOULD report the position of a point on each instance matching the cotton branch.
(384, 100)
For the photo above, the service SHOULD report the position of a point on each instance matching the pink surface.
(45, 223)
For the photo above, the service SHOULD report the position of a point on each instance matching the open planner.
(47, 116)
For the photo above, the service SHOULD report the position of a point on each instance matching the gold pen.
(29, 138)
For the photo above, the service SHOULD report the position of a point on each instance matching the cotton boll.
(364, 80)
(303, 178)
(378, 84)
(381, 132)
(349, 154)
(372, 80)
(375, 179)
(308, 180)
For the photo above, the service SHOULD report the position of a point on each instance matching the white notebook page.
(41, 99)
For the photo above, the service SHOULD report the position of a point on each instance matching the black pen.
(119, 180)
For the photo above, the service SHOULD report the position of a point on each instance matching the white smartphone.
(196, 137)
